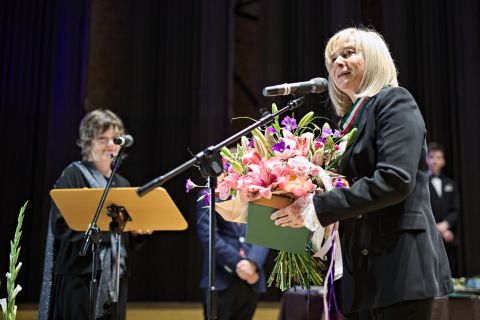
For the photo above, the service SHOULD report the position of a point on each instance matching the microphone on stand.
(124, 141)
(315, 85)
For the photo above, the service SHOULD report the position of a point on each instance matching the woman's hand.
(292, 216)
(141, 232)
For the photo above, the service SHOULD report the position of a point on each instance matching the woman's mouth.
(341, 74)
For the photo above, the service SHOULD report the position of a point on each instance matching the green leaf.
(9, 309)
(305, 121)
(274, 108)
(275, 123)
(351, 136)
(260, 146)
(226, 152)
(237, 167)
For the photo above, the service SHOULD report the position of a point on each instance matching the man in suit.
(239, 270)
(445, 203)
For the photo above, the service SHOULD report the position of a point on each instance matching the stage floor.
(170, 311)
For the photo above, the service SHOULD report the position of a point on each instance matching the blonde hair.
(379, 71)
(93, 125)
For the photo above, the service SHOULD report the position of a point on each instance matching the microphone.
(124, 141)
(316, 85)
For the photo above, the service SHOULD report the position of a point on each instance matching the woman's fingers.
(283, 221)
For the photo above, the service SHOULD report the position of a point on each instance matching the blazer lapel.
(360, 130)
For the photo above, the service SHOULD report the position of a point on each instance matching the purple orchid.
(322, 140)
(271, 130)
(189, 185)
(279, 147)
(205, 196)
(289, 123)
(226, 166)
(327, 132)
(339, 183)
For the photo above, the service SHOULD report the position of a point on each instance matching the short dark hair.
(435, 146)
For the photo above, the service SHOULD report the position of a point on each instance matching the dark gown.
(72, 273)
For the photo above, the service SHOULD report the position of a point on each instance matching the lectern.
(122, 210)
(154, 211)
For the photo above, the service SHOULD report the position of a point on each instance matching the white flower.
(18, 288)
(3, 304)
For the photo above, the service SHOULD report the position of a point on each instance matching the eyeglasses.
(104, 139)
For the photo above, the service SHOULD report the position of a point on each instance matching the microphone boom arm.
(291, 105)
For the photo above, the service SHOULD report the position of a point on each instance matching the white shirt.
(437, 185)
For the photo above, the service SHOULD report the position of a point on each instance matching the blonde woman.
(394, 261)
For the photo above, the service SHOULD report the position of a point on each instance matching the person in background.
(239, 270)
(445, 202)
(394, 261)
(69, 295)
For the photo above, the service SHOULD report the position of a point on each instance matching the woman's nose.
(339, 61)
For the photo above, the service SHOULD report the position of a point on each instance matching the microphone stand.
(210, 164)
(92, 235)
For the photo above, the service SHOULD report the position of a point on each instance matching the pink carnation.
(223, 190)
(300, 165)
(298, 186)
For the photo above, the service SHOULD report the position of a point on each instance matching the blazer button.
(241, 239)
(364, 252)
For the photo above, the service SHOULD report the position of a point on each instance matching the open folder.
(154, 211)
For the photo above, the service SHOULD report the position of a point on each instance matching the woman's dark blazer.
(390, 246)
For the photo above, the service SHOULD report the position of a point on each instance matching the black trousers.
(237, 302)
(406, 310)
(71, 298)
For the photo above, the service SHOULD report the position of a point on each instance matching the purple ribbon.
(331, 289)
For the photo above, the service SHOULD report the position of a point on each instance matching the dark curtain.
(177, 97)
(177, 104)
(462, 79)
(42, 63)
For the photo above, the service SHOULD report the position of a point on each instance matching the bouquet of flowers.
(289, 159)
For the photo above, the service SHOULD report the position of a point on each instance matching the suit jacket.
(229, 239)
(445, 207)
(391, 249)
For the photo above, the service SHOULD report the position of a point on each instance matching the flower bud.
(317, 157)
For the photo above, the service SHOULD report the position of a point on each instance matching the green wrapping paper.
(263, 231)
